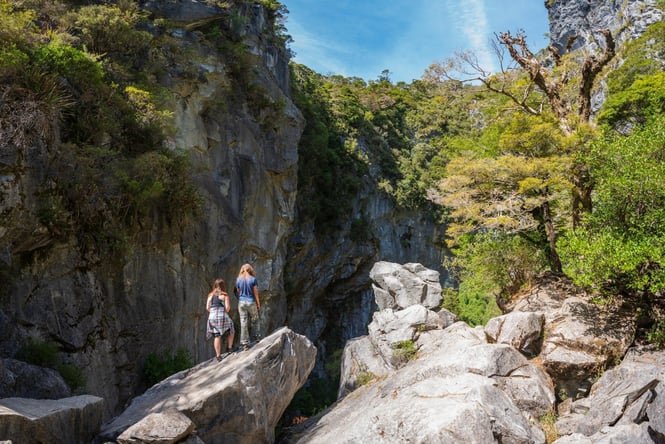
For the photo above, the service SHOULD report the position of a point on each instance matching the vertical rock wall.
(584, 18)
(109, 317)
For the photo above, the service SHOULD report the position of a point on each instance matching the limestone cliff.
(583, 19)
(108, 314)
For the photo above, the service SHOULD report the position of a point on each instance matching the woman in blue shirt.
(248, 305)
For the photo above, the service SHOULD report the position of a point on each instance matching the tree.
(530, 83)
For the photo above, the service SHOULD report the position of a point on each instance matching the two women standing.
(218, 305)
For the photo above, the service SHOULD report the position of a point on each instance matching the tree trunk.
(551, 237)
(590, 70)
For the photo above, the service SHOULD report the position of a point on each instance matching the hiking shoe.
(219, 358)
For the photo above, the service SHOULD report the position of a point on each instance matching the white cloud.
(316, 52)
(470, 18)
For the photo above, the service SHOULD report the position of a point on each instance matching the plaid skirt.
(218, 323)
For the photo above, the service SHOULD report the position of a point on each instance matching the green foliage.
(644, 56)
(107, 195)
(111, 173)
(78, 67)
(475, 306)
(12, 61)
(158, 367)
(110, 29)
(548, 423)
(404, 350)
(656, 334)
(46, 354)
(640, 102)
(41, 353)
(621, 245)
(490, 267)
(314, 397)
(328, 173)
(503, 193)
(17, 27)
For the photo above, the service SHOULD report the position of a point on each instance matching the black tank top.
(216, 302)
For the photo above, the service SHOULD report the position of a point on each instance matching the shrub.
(158, 367)
(365, 378)
(46, 354)
(405, 350)
(110, 29)
(656, 334)
(12, 61)
(41, 353)
(547, 422)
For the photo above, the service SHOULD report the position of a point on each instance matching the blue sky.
(361, 38)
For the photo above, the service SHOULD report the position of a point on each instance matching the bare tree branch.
(591, 67)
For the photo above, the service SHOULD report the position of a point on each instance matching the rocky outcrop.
(330, 295)
(41, 421)
(239, 399)
(627, 404)
(400, 286)
(583, 19)
(458, 388)
(448, 385)
(463, 384)
(580, 338)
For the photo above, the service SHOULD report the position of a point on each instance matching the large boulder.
(74, 420)
(22, 380)
(522, 330)
(239, 399)
(399, 286)
(159, 428)
(458, 388)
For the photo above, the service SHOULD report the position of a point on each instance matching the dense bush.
(47, 354)
(158, 367)
(622, 243)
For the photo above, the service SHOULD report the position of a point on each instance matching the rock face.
(67, 421)
(584, 18)
(239, 399)
(107, 318)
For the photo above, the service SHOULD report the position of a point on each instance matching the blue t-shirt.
(246, 288)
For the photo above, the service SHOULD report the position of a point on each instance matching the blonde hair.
(245, 270)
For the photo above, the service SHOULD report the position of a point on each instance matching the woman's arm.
(256, 296)
(227, 303)
(208, 302)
